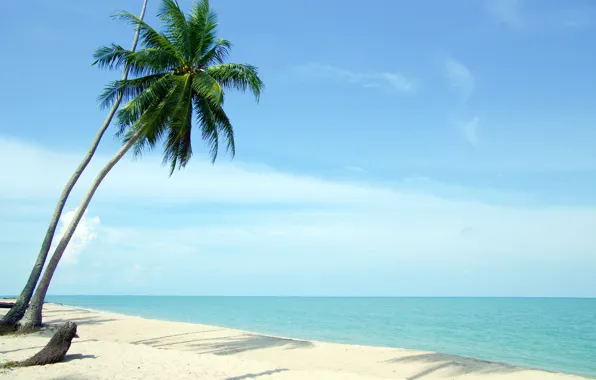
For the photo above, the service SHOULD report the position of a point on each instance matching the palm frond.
(143, 62)
(217, 54)
(206, 87)
(127, 89)
(225, 126)
(176, 151)
(208, 126)
(149, 36)
(178, 148)
(237, 76)
(155, 120)
(202, 23)
(132, 111)
(110, 57)
(176, 27)
(150, 61)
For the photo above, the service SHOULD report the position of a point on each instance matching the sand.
(113, 346)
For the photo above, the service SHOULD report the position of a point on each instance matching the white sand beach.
(113, 346)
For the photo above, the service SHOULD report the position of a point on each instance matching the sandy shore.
(113, 346)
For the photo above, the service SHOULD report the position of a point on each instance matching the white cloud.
(564, 15)
(396, 81)
(469, 130)
(506, 11)
(146, 179)
(217, 226)
(401, 232)
(84, 234)
(460, 78)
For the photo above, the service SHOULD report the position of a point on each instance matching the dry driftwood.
(56, 348)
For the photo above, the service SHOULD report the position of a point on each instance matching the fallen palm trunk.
(6, 305)
(54, 351)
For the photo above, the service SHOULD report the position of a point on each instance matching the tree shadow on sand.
(66, 310)
(227, 345)
(157, 340)
(453, 365)
(255, 375)
(91, 320)
(247, 342)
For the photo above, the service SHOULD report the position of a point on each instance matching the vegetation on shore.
(18, 310)
(176, 81)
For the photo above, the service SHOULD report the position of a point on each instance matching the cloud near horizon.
(393, 80)
(240, 228)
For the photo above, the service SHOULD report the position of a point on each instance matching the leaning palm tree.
(180, 74)
(18, 310)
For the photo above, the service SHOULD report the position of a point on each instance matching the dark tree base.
(7, 329)
(55, 350)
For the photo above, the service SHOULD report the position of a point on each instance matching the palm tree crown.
(179, 74)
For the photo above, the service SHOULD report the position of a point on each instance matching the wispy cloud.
(238, 229)
(563, 15)
(460, 78)
(462, 82)
(572, 17)
(393, 80)
(469, 130)
(506, 11)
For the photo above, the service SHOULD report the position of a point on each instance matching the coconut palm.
(18, 310)
(180, 75)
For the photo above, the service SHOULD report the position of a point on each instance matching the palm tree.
(179, 74)
(18, 310)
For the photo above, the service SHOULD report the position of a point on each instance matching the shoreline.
(215, 326)
(314, 341)
(231, 354)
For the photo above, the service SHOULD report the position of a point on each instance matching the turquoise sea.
(546, 333)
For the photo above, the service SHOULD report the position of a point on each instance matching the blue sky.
(401, 148)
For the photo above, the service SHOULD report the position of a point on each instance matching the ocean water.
(552, 334)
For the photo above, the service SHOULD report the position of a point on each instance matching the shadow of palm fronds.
(453, 364)
(226, 345)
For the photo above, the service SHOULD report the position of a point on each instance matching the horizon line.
(307, 296)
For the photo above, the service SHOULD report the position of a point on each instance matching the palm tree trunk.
(32, 317)
(18, 310)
